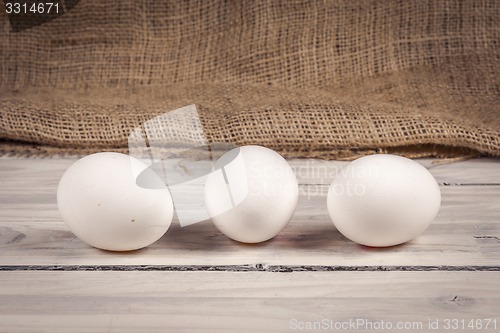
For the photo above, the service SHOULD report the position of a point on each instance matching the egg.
(252, 194)
(102, 204)
(383, 200)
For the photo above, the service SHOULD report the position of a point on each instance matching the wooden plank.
(466, 232)
(475, 171)
(469, 172)
(241, 302)
(47, 172)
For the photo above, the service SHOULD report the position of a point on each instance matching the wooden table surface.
(310, 277)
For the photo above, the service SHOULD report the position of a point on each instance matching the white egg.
(100, 201)
(253, 195)
(383, 200)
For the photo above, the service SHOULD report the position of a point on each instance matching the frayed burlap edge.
(15, 149)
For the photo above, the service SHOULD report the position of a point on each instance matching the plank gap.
(246, 268)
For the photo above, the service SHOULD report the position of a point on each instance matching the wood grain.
(465, 233)
(238, 302)
(195, 279)
(23, 172)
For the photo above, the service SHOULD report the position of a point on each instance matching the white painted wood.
(466, 232)
(474, 171)
(239, 302)
(22, 172)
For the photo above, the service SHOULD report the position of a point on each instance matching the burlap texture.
(328, 79)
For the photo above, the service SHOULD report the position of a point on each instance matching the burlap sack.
(329, 79)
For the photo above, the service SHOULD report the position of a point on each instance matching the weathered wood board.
(195, 279)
